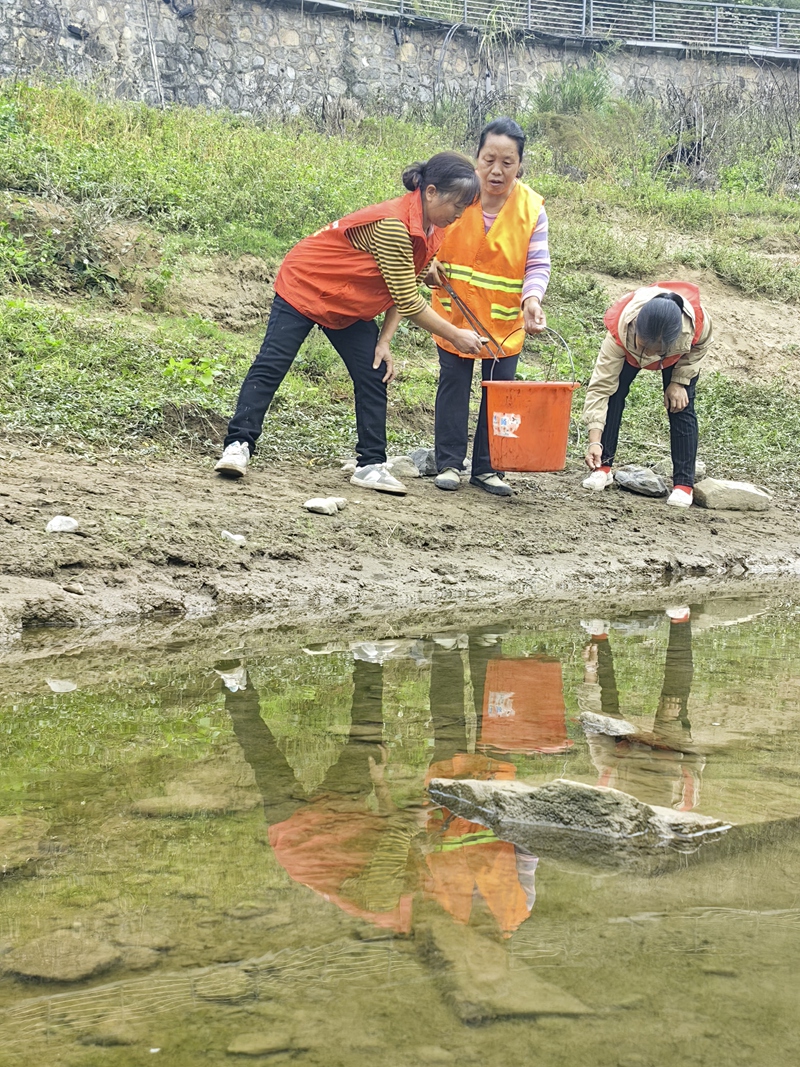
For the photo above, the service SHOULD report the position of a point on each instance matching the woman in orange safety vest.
(339, 279)
(658, 327)
(496, 259)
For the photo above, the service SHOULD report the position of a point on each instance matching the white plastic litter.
(61, 685)
(237, 539)
(62, 524)
(325, 505)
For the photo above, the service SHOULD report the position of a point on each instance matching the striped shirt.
(537, 266)
(389, 243)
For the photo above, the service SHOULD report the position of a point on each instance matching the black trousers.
(286, 331)
(452, 410)
(682, 426)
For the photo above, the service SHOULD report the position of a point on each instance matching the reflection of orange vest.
(334, 284)
(687, 290)
(523, 706)
(469, 856)
(322, 849)
(487, 270)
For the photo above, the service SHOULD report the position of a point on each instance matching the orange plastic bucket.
(523, 707)
(528, 424)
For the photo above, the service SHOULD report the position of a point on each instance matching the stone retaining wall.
(272, 56)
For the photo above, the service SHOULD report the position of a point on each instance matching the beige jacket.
(605, 377)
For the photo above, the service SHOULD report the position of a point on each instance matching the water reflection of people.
(659, 767)
(334, 842)
(352, 845)
(467, 863)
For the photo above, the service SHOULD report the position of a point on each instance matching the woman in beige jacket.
(660, 327)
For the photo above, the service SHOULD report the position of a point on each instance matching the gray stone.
(664, 467)
(20, 841)
(478, 979)
(64, 956)
(262, 1044)
(515, 810)
(139, 958)
(225, 984)
(425, 461)
(641, 480)
(721, 495)
(403, 467)
(593, 723)
(322, 505)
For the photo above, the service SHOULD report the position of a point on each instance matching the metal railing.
(695, 24)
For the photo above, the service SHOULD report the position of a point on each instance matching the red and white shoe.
(680, 497)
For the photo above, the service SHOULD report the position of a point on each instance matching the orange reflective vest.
(487, 270)
(689, 292)
(334, 284)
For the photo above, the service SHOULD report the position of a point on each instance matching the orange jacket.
(329, 281)
(487, 270)
(687, 290)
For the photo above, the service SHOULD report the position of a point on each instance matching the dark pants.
(281, 792)
(452, 410)
(682, 426)
(286, 331)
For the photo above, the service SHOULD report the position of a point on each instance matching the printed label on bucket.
(500, 705)
(505, 424)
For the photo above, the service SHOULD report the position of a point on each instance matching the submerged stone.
(61, 957)
(641, 480)
(262, 1044)
(478, 979)
(20, 841)
(721, 495)
(228, 983)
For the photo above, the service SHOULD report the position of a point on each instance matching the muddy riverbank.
(150, 543)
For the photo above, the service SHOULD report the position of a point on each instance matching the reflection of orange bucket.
(528, 424)
(523, 707)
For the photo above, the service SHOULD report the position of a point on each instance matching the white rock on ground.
(325, 505)
(721, 495)
(664, 467)
(62, 524)
(593, 723)
(403, 467)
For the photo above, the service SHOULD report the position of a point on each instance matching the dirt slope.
(150, 542)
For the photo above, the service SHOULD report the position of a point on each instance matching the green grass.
(86, 371)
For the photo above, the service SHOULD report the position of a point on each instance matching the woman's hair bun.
(412, 176)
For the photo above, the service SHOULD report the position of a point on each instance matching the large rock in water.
(20, 841)
(61, 957)
(640, 480)
(521, 813)
(721, 495)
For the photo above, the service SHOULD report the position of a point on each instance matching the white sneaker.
(235, 680)
(679, 498)
(233, 461)
(449, 479)
(376, 476)
(598, 480)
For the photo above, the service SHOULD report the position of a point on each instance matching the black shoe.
(492, 483)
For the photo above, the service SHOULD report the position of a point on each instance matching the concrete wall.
(267, 55)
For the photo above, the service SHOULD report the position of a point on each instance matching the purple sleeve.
(537, 266)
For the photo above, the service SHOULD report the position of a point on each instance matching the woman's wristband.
(595, 444)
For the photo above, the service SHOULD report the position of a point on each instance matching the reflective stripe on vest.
(487, 270)
(687, 290)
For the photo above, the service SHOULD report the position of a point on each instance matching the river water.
(222, 850)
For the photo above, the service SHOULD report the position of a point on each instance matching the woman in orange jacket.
(496, 259)
(339, 279)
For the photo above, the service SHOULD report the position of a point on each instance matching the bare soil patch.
(150, 544)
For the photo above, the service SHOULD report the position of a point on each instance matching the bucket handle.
(556, 334)
(479, 328)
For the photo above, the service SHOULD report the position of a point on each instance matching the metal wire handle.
(479, 328)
